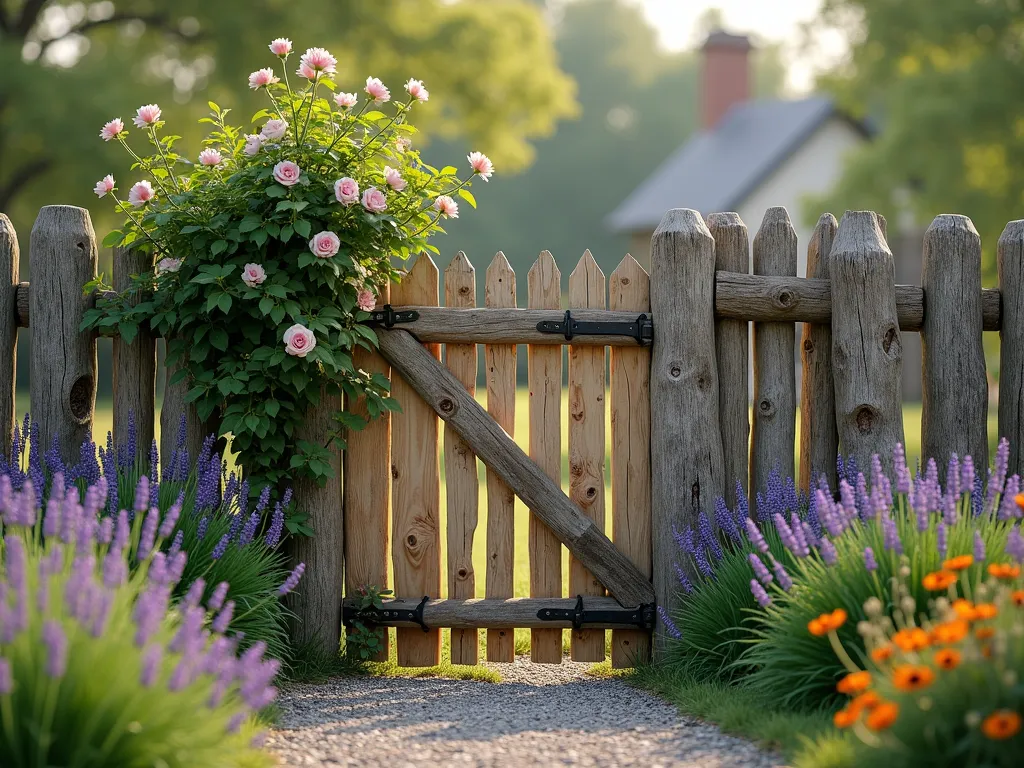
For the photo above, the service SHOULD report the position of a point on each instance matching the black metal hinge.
(641, 616)
(387, 316)
(641, 329)
(385, 615)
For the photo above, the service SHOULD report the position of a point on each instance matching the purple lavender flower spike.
(701, 560)
(979, 547)
(154, 478)
(813, 518)
(201, 527)
(56, 643)
(236, 525)
(6, 496)
(141, 495)
(780, 574)
(221, 548)
(151, 658)
(792, 501)
(942, 540)
(899, 458)
(847, 502)
(840, 468)
(810, 536)
(876, 470)
(102, 603)
(273, 537)
(997, 478)
(949, 510)
(762, 508)
(931, 479)
(852, 470)
(891, 537)
(148, 536)
(293, 580)
(760, 570)
(869, 559)
(967, 474)
(6, 676)
(133, 437)
(175, 548)
(51, 519)
(708, 537)
(216, 601)
(863, 501)
(742, 506)
(243, 497)
(684, 581)
(760, 595)
(725, 521)
(976, 497)
(1008, 506)
(788, 539)
(230, 488)
(149, 611)
(223, 619)
(755, 537)
(1015, 545)
(828, 552)
(670, 625)
(105, 531)
(953, 476)
(263, 500)
(171, 518)
(684, 540)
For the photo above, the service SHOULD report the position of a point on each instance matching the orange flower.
(827, 622)
(958, 563)
(1019, 498)
(948, 658)
(984, 633)
(1001, 724)
(985, 611)
(881, 653)
(913, 639)
(1018, 597)
(854, 683)
(845, 717)
(883, 716)
(910, 677)
(867, 700)
(950, 632)
(1004, 571)
(964, 609)
(939, 580)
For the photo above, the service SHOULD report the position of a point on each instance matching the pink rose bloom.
(210, 157)
(253, 275)
(262, 77)
(366, 301)
(347, 191)
(274, 129)
(447, 207)
(324, 245)
(394, 179)
(287, 173)
(402, 143)
(168, 265)
(345, 100)
(306, 71)
(140, 193)
(299, 340)
(253, 143)
(377, 90)
(112, 130)
(146, 115)
(282, 46)
(481, 163)
(374, 200)
(416, 90)
(104, 186)
(319, 60)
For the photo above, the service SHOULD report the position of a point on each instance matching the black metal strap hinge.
(387, 316)
(386, 615)
(641, 329)
(642, 616)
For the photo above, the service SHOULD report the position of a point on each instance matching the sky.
(775, 20)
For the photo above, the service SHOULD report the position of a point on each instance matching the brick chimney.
(726, 76)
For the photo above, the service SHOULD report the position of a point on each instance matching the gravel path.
(537, 715)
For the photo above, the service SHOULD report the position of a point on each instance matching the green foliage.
(364, 641)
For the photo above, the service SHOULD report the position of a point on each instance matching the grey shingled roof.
(717, 170)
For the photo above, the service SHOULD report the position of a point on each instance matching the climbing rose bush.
(272, 244)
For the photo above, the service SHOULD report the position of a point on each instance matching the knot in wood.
(866, 417)
(462, 573)
(887, 341)
(783, 298)
(695, 496)
(624, 281)
(464, 290)
(808, 346)
(446, 406)
(80, 399)
(575, 469)
(591, 492)
(411, 540)
(394, 472)
(704, 381)
(675, 371)
(766, 407)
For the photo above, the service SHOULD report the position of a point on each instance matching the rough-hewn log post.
(687, 467)
(732, 343)
(134, 363)
(954, 416)
(819, 440)
(317, 601)
(773, 436)
(867, 355)
(10, 257)
(1011, 342)
(62, 259)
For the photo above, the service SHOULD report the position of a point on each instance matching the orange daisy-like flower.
(867, 700)
(827, 622)
(964, 609)
(1019, 498)
(1005, 571)
(938, 581)
(984, 633)
(883, 716)
(950, 632)
(958, 563)
(947, 658)
(1018, 597)
(1001, 724)
(985, 611)
(881, 653)
(854, 683)
(913, 639)
(912, 677)
(845, 717)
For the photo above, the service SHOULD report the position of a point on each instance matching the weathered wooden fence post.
(687, 471)
(955, 400)
(62, 259)
(773, 436)
(10, 257)
(135, 364)
(867, 355)
(732, 340)
(819, 440)
(173, 407)
(1011, 342)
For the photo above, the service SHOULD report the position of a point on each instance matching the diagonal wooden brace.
(443, 392)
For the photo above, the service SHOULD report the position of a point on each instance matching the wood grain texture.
(1010, 261)
(867, 354)
(317, 601)
(496, 449)
(415, 484)
(135, 364)
(176, 414)
(586, 442)
(367, 490)
(630, 289)
(491, 613)
(954, 414)
(10, 264)
(819, 438)
(500, 368)
(545, 382)
(461, 480)
(773, 433)
(687, 467)
(62, 258)
(732, 348)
